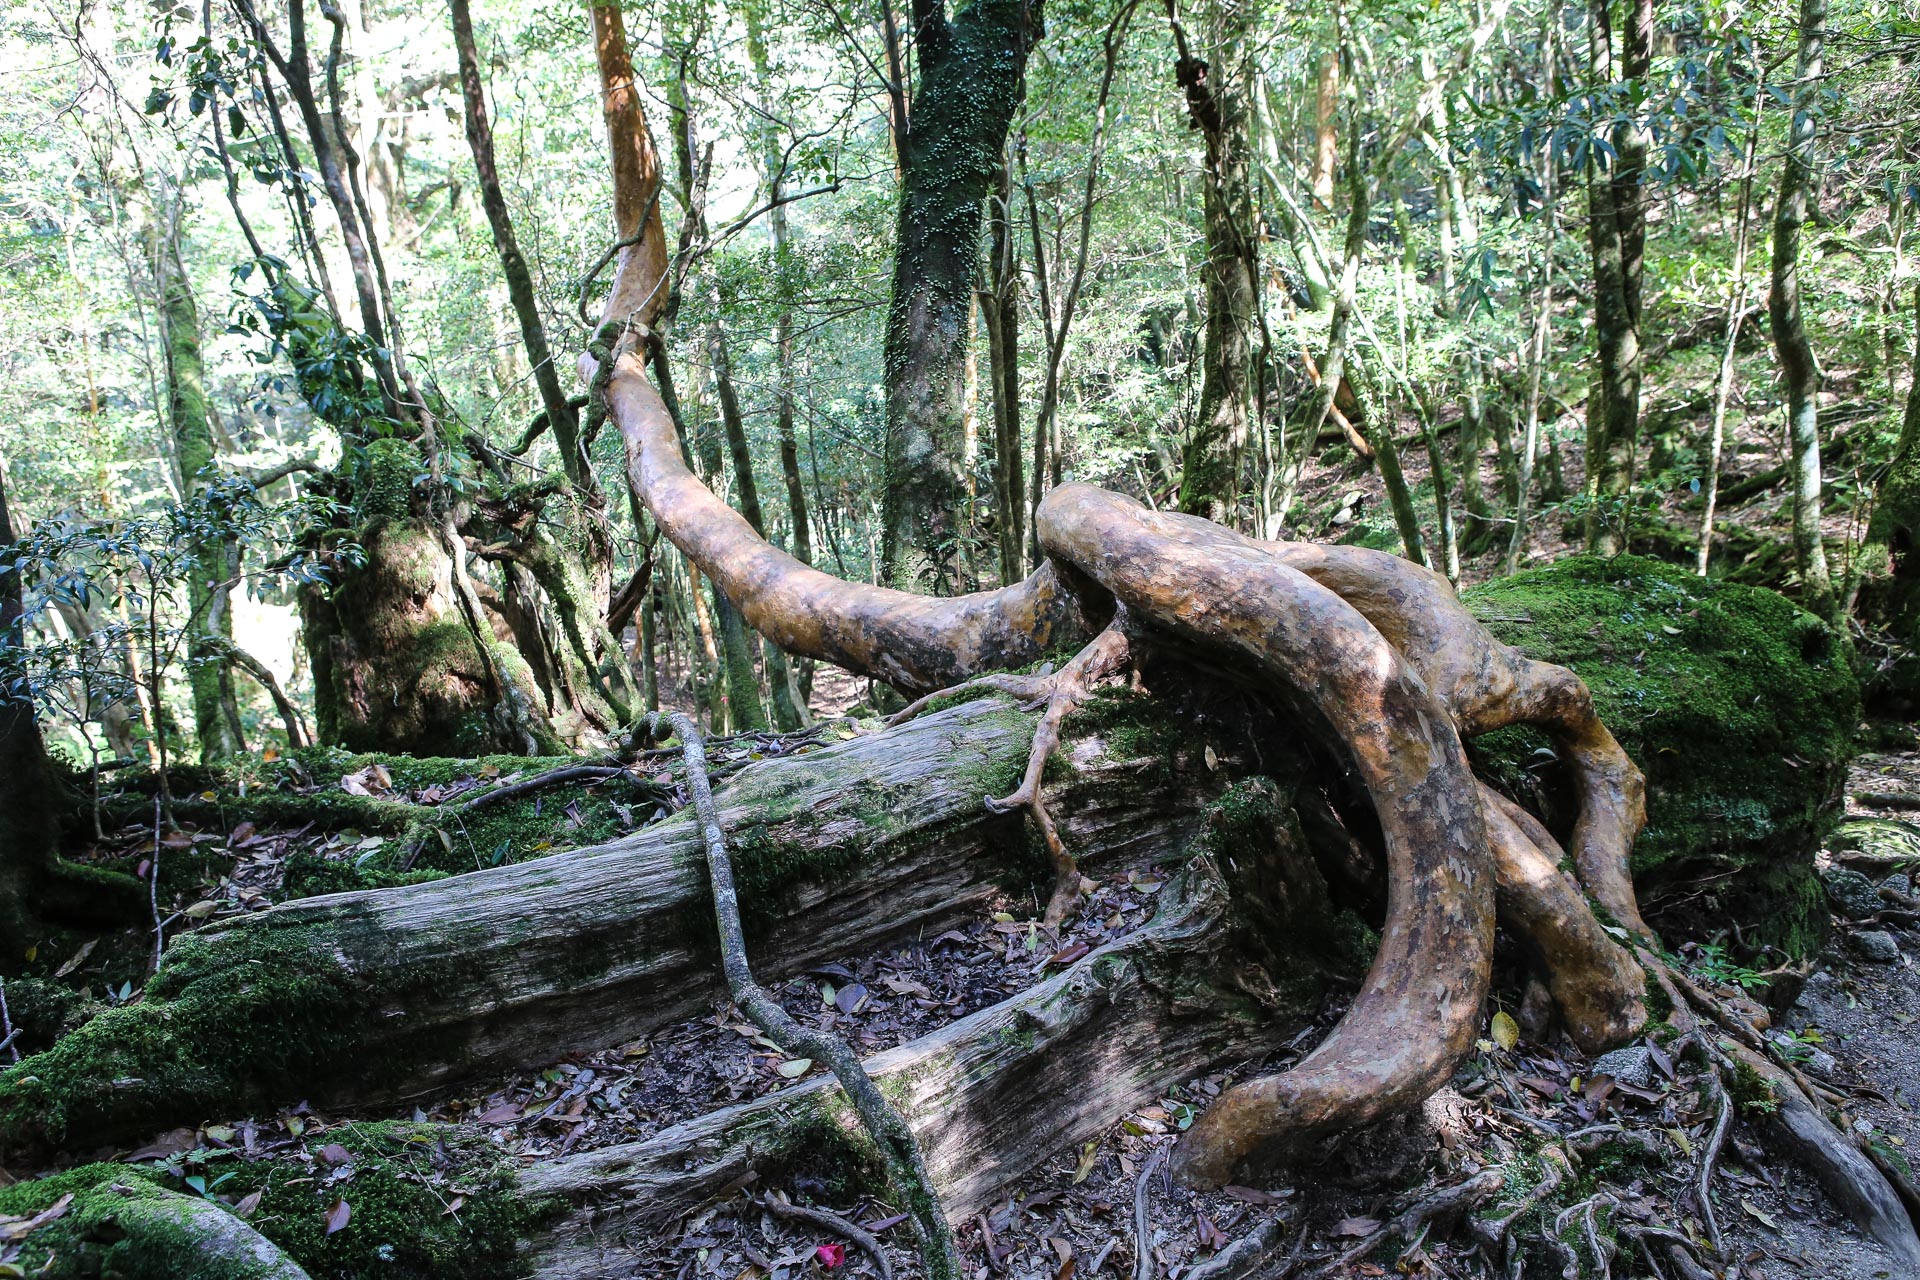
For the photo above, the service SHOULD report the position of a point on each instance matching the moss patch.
(1737, 705)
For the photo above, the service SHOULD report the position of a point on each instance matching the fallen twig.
(905, 1166)
(1142, 1227)
(832, 1222)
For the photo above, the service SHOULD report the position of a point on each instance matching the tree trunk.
(586, 514)
(403, 658)
(1219, 103)
(1617, 236)
(216, 713)
(381, 993)
(971, 69)
(1000, 316)
(1790, 341)
(787, 715)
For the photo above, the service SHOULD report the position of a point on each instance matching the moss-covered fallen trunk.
(1737, 705)
(380, 993)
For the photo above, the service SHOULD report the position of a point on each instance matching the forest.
(783, 639)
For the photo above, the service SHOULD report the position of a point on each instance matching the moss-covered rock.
(423, 1201)
(1739, 707)
(113, 1222)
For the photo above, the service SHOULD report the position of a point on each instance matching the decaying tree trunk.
(403, 659)
(382, 993)
(1055, 1064)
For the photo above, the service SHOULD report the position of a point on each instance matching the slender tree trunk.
(1219, 103)
(1326, 106)
(1536, 360)
(1617, 235)
(1456, 228)
(1736, 313)
(1795, 350)
(787, 716)
(971, 68)
(1000, 314)
(216, 717)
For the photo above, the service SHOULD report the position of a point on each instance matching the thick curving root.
(1375, 652)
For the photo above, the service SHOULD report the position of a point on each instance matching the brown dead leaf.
(335, 1154)
(170, 1143)
(1068, 954)
(20, 1228)
(249, 1203)
(1211, 1237)
(1247, 1195)
(1356, 1227)
(338, 1216)
(505, 1113)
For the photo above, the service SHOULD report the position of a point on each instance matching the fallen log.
(387, 992)
(1187, 993)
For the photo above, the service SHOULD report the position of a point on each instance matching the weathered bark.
(1616, 221)
(1790, 341)
(1219, 103)
(971, 66)
(216, 712)
(996, 1093)
(383, 993)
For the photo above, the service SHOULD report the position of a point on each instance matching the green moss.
(391, 466)
(404, 1177)
(120, 1225)
(401, 1180)
(1752, 1092)
(237, 1018)
(1739, 707)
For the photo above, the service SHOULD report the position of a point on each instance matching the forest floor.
(1632, 1129)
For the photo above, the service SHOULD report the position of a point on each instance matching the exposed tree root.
(1377, 653)
(1413, 1222)
(906, 1167)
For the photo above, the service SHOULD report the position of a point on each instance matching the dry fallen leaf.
(249, 1203)
(1356, 1226)
(1505, 1031)
(338, 1216)
(794, 1068)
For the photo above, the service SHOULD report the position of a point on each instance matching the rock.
(1877, 946)
(1901, 884)
(1853, 895)
(1818, 1061)
(1631, 1066)
(1735, 703)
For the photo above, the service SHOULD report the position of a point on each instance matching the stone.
(1632, 1066)
(1901, 884)
(1877, 946)
(1739, 707)
(1851, 893)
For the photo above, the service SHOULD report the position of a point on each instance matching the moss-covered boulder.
(1738, 705)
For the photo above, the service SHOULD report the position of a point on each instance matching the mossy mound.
(423, 1201)
(1737, 704)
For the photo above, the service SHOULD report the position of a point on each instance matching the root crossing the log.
(906, 1168)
